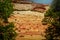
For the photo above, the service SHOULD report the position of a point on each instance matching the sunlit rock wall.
(28, 22)
(32, 7)
(23, 6)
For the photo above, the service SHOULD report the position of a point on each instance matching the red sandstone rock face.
(39, 9)
(34, 7)
(28, 24)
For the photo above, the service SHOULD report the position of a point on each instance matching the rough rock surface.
(28, 23)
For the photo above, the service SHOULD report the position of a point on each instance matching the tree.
(52, 17)
(6, 31)
(6, 8)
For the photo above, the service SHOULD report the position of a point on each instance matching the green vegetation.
(6, 8)
(6, 29)
(7, 32)
(52, 17)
